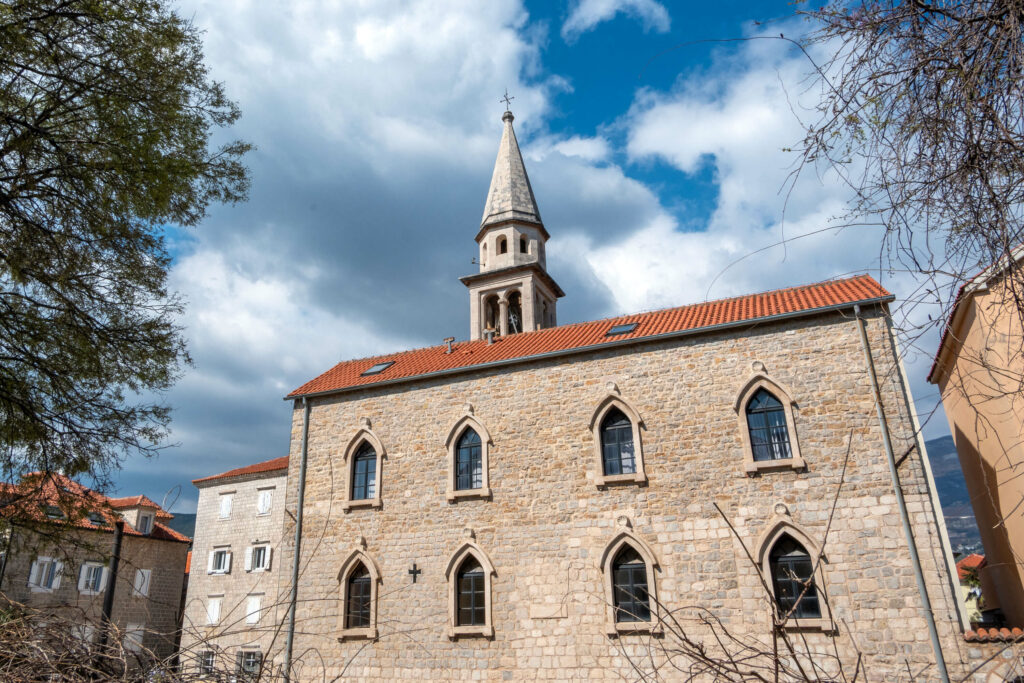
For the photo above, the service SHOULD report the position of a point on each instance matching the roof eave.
(535, 267)
(597, 347)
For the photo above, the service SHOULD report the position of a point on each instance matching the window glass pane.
(617, 444)
(364, 473)
(792, 576)
(629, 587)
(469, 462)
(766, 421)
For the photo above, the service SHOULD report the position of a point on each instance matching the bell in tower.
(512, 292)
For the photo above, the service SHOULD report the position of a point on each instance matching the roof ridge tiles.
(577, 337)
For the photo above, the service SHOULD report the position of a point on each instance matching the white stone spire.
(510, 196)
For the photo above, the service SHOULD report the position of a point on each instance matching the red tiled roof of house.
(965, 564)
(751, 308)
(188, 562)
(265, 466)
(994, 635)
(38, 491)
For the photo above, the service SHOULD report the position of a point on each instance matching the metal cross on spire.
(507, 100)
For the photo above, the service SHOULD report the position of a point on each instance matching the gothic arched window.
(358, 598)
(766, 420)
(472, 606)
(469, 471)
(793, 580)
(629, 586)
(364, 473)
(617, 453)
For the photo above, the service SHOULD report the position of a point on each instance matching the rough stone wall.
(239, 531)
(157, 612)
(547, 524)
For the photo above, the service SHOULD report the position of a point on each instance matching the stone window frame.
(761, 380)
(358, 556)
(365, 434)
(451, 444)
(781, 526)
(451, 576)
(611, 550)
(614, 399)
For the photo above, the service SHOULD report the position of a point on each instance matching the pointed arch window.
(364, 473)
(767, 428)
(363, 460)
(472, 605)
(618, 455)
(629, 567)
(794, 571)
(629, 586)
(468, 444)
(618, 451)
(469, 462)
(358, 595)
(766, 420)
(358, 581)
(469, 576)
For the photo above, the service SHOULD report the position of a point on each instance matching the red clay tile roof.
(37, 491)
(747, 309)
(266, 466)
(994, 635)
(188, 562)
(972, 561)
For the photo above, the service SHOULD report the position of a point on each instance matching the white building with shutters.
(237, 591)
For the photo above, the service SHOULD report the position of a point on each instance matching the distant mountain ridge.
(952, 490)
(183, 523)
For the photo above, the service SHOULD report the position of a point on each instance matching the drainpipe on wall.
(940, 661)
(293, 598)
(108, 593)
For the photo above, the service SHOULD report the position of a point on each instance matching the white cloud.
(586, 14)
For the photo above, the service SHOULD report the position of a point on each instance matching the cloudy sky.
(656, 158)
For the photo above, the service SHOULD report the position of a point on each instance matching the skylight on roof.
(378, 368)
(620, 329)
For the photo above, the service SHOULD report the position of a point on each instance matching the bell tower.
(512, 292)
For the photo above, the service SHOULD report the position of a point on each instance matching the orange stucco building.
(979, 369)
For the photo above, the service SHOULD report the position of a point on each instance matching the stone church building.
(587, 501)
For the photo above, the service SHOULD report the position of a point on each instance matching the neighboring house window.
(219, 562)
(45, 574)
(364, 473)
(472, 609)
(629, 580)
(145, 524)
(97, 518)
(249, 663)
(358, 598)
(207, 661)
(793, 580)
(257, 558)
(252, 609)
(91, 578)
(468, 462)
(264, 500)
(469, 575)
(225, 505)
(133, 637)
(766, 420)
(618, 454)
(141, 587)
(54, 512)
(213, 609)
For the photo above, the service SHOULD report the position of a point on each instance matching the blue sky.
(657, 164)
